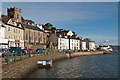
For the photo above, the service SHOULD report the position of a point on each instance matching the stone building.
(34, 37)
(14, 13)
(13, 32)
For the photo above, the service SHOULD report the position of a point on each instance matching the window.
(16, 37)
(26, 35)
(36, 36)
(19, 31)
(19, 37)
(8, 28)
(40, 37)
(32, 36)
(14, 30)
(9, 36)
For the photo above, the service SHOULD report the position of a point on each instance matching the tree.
(48, 25)
(53, 28)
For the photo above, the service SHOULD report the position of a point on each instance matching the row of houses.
(15, 31)
(18, 32)
(69, 40)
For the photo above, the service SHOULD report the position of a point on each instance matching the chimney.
(55, 32)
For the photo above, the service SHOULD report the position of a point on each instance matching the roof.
(5, 18)
(31, 27)
(28, 21)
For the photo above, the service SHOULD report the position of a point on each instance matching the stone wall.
(21, 68)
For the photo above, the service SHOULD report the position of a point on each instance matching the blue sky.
(95, 20)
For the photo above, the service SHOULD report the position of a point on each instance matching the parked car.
(32, 50)
(39, 50)
(15, 49)
(24, 50)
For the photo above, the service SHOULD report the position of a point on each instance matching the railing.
(14, 57)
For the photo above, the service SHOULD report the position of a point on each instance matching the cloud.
(102, 38)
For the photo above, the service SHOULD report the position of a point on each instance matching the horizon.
(80, 17)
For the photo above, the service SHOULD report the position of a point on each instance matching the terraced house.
(13, 32)
(21, 32)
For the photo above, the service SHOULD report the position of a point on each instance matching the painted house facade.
(13, 32)
(92, 45)
(64, 42)
(3, 41)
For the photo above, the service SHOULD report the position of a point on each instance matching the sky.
(95, 20)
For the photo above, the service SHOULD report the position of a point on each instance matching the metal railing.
(14, 57)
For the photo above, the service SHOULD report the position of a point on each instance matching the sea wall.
(21, 68)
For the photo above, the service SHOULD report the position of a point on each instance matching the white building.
(3, 41)
(63, 43)
(91, 45)
(83, 45)
(74, 44)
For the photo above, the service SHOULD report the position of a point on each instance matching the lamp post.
(69, 45)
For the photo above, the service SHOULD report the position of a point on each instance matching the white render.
(2, 37)
(70, 33)
(83, 45)
(91, 45)
(63, 43)
(40, 26)
(74, 44)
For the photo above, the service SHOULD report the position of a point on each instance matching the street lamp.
(69, 45)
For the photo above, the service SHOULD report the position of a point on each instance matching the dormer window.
(14, 23)
(60, 35)
(19, 25)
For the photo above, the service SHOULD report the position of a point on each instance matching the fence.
(13, 57)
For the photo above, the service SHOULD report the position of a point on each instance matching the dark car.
(24, 50)
(39, 50)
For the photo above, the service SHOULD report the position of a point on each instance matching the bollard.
(55, 51)
(61, 51)
(15, 57)
(52, 52)
(8, 58)
(47, 52)
(44, 52)
(21, 55)
(30, 54)
(41, 53)
(37, 53)
(25, 55)
(34, 53)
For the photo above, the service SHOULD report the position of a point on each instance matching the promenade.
(27, 65)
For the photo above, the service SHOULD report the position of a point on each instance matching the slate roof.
(31, 27)
(5, 18)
